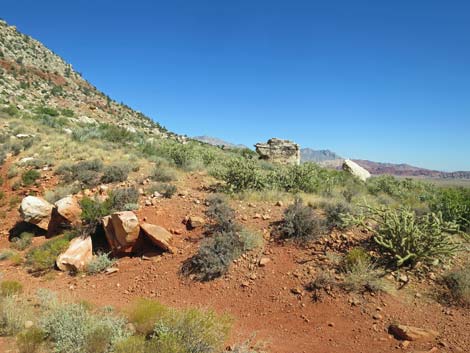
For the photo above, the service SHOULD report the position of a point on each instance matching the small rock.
(196, 222)
(377, 316)
(28, 324)
(410, 333)
(264, 261)
(296, 291)
(279, 204)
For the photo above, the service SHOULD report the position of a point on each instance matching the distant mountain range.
(217, 142)
(330, 159)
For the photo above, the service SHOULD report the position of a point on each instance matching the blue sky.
(379, 80)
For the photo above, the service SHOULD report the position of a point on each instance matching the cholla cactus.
(408, 238)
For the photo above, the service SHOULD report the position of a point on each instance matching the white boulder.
(77, 256)
(355, 169)
(36, 211)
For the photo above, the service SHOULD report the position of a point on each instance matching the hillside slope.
(32, 77)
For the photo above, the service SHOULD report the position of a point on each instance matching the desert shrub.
(47, 111)
(166, 190)
(454, 205)
(144, 313)
(214, 257)
(190, 330)
(335, 213)
(12, 172)
(7, 254)
(74, 329)
(29, 177)
(132, 344)
(405, 190)
(100, 263)
(30, 340)
(115, 173)
(93, 210)
(86, 173)
(60, 192)
(241, 174)
(123, 199)
(221, 214)
(250, 239)
(14, 313)
(23, 241)
(42, 258)
(355, 257)
(363, 276)
(300, 222)
(163, 174)
(407, 238)
(458, 282)
(9, 288)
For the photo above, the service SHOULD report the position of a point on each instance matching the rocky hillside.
(33, 78)
(217, 142)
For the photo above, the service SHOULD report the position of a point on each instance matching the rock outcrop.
(410, 333)
(279, 151)
(122, 231)
(355, 169)
(36, 211)
(77, 256)
(159, 236)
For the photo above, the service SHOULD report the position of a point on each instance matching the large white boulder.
(36, 211)
(77, 256)
(355, 169)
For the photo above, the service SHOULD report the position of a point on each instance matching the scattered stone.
(410, 333)
(266, 217)
(355, 169)
(28, 324)
(296, 291)
(159, 236)
(196, 222)
(264, 261)
(111, 270)
(279, 204)
(377, 316)
(77, 256)
(36, 211)
(257, 216)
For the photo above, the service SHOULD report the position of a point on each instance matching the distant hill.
(217, 142)
(310, 155)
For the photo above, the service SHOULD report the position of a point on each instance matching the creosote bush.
(29, 177)
(9, 288)
(166, 190)
(115, 173)
(22, 242)
(30, 340)
(87, 173)
(100, 263)
(42, 258)
(335, 214)
(300, 223)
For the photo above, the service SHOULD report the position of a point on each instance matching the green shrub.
(42, 258)
(163, 174)
(93, 210)
(144, 313)
(222, 215)
(458, 283)
(242, 174)
(300, 222)
(47, 111)
(250, 239)
(23, 241)
(407, 238)
(363, 276)
(100, 263)
(12, 172)
(9, 288)
(115, 173)
(454, 204)
(132, 344)
(30, 340)
(29, 177)
(7, 254)
(355, 257)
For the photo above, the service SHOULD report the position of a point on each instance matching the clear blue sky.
(380, 80)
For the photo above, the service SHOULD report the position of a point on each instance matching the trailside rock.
(69, 208)
(355, 169)
(121, 230)
(279, 151)
(196, 222)
(159, 236)
(410, 333)
(36, 211)
(77, 256)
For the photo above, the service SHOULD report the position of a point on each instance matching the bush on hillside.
(454, 205)
(87, 173)
(458, 282)
(23, 241)
(115, 173)
(42, 258)
(300, 223)
(336, 213)
(9, 288)
(29, 177)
